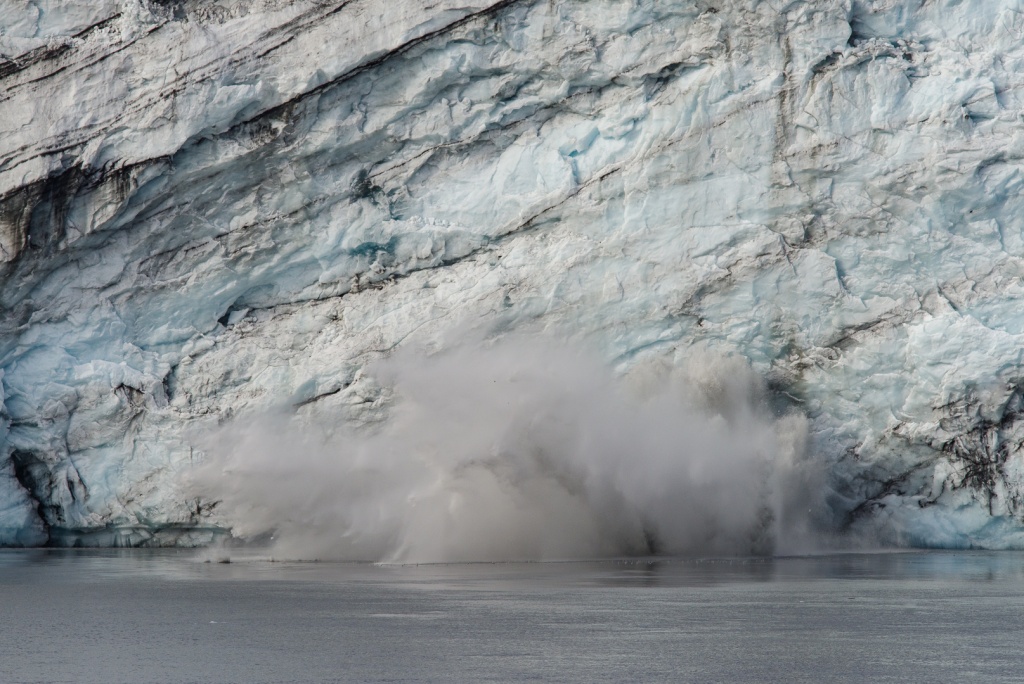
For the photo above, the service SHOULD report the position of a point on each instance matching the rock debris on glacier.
(208, 209)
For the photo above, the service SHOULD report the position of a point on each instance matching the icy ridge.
(212, 209)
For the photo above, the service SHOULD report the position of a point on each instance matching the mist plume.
(525, 450)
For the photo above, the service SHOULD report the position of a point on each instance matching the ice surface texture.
(208, 209)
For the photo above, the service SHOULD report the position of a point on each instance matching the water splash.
(523, 449)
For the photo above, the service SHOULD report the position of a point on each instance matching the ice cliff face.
(212, 208)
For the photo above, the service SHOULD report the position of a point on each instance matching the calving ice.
(340, 219)
(526, 450)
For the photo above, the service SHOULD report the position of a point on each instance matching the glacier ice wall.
(211, 209)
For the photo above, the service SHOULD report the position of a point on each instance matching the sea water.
(166, 616)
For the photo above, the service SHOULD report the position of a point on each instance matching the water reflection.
(92, 565)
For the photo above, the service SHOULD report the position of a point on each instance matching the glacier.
(214, 210)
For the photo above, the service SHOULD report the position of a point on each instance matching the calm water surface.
(145, 616)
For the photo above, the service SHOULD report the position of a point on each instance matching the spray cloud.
(525, 450)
